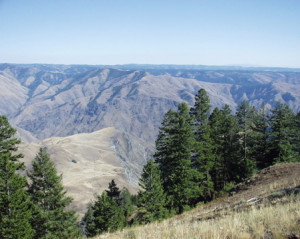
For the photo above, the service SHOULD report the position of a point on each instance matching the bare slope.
(264, 206)
(90, 161)
(53, 100)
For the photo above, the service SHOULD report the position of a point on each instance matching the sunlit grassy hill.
(265, 206)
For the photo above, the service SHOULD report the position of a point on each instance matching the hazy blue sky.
(224, 32)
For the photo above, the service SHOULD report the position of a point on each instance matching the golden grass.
(279, 221)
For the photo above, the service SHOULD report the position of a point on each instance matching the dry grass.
(263, 206)
(279, 221)
(97, 163)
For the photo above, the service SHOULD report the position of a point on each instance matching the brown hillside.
(270, 183)
(89, 161)
(266, 205)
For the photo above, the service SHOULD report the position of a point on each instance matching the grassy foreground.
(272, 221)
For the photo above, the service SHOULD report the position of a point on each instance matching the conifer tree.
(8, 143)
(14, 202)
(224, 131)
(163, 148)
(203, 158)
(126, 204)
(173, 155)
(296, 141)
(216, 123)
(230, 147)
(113, 191)
(244, 116)
(108, 212)
(51, 218)
(282, 124)
(260, 136)
(152, 199)
(15, 212)
(107, 215)
(88, 222)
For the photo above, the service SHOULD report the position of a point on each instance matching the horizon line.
(155, 64)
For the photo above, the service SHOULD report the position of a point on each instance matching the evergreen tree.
(126, 204)
(245, 114)
(107, 215)
(216, 123)
(51, 218)
(152, 199)
(203, 158)
(283, 125)
(109, 212)
(113, 191)
(88, 222)
(163, 149)
(296, 141)
(14, 202)
(8, 143)
(260, 136)
(15, 209)
(232, 161)
(224, 131)
(173, 155)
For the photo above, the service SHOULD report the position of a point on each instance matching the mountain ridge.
(111, 97)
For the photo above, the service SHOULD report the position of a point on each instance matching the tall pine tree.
(107, 215)
(15, 212)
(8, 141)
(152, 199)
(173, 155)
(203, 158)
(282, 124)
(260, 137)
(113, 191)
(88, 227)
(224, 131)
(126, 204)
(296, 141)
(230, 148)
(217, 173)
(15, 206)
(51, 218)
(245, 115)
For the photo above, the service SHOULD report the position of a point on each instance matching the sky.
(193, 32)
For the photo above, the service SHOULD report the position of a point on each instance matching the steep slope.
(264, 206)
(55, 100)
(13, 95)
(90, 161)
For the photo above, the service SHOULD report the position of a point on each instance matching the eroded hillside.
(54, 100)
(89, 161)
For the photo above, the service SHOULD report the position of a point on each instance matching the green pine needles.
(152, 198)
(36, 209)
(15, 205)
(51, 219)
(201, 153)
(109, 212)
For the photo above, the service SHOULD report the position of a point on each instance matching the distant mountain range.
(59, 100)
(45, 101)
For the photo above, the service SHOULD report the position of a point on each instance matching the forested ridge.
(200, 154)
